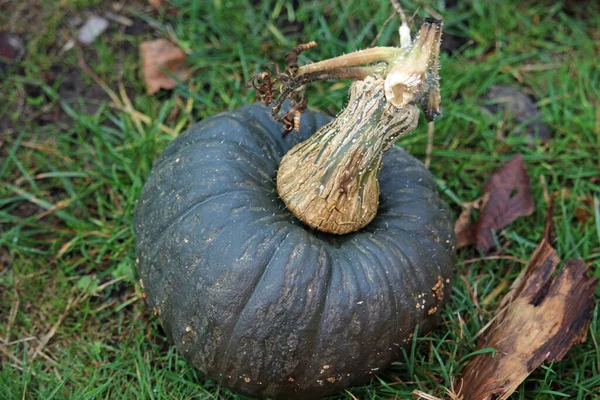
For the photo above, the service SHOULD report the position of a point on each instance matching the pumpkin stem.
(330, 180)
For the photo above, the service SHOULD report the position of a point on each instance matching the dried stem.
(404, 28)
(362, 57)
(330, 180)
(341, 73)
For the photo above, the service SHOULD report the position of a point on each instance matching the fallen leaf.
(465, 234)
(92, 28)
(159, 56)
(538, 321)
(155, 3)
(507, 196)
(585, 211)
(520, 108)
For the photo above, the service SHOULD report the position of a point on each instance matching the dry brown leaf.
(158, 56)
(538, 321)
(507, 196)
(155, 3)
(465, 234)
(585, 211)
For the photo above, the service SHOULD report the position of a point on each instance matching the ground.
(73, 160)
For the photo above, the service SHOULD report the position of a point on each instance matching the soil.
(21, 24)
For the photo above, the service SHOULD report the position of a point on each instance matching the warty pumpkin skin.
(259, 302)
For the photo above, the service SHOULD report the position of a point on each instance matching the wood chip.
(538, 321)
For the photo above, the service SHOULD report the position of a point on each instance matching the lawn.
(79, 135)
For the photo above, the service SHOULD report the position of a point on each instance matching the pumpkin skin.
(259, 302)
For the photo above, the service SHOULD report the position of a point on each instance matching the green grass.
(72, 167)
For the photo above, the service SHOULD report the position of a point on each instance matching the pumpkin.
(259, 301)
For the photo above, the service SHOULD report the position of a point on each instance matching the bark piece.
(158, 57)
(507, 196)
(538, 321)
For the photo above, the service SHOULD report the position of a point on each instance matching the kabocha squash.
(262, 302)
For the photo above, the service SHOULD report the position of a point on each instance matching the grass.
(72, 322)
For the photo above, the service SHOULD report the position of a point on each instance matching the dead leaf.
(538, 321)
(155, 3)
(462, 226)
(585, 211)
(507, 196)
(520, 109)
(158, 56)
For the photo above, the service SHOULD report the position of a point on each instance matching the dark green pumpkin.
(259, 302)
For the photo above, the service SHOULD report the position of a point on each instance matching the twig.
(113, 96)
(404, 29)
(461, 324)
(46, 338)
(450, 392)
(511, 258)
(433, 13)
(48, 358)
(107, 284)
(129, 107)
(10, 355)
(472, 291)
(399, 10)
(544, 185)
(351, 395)
(13, 311)
(21, 369)
(117, 103)
(387, 21)
(145, 119)
(27, 339)
(119, 18)
(47, 149)
(494, 293)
